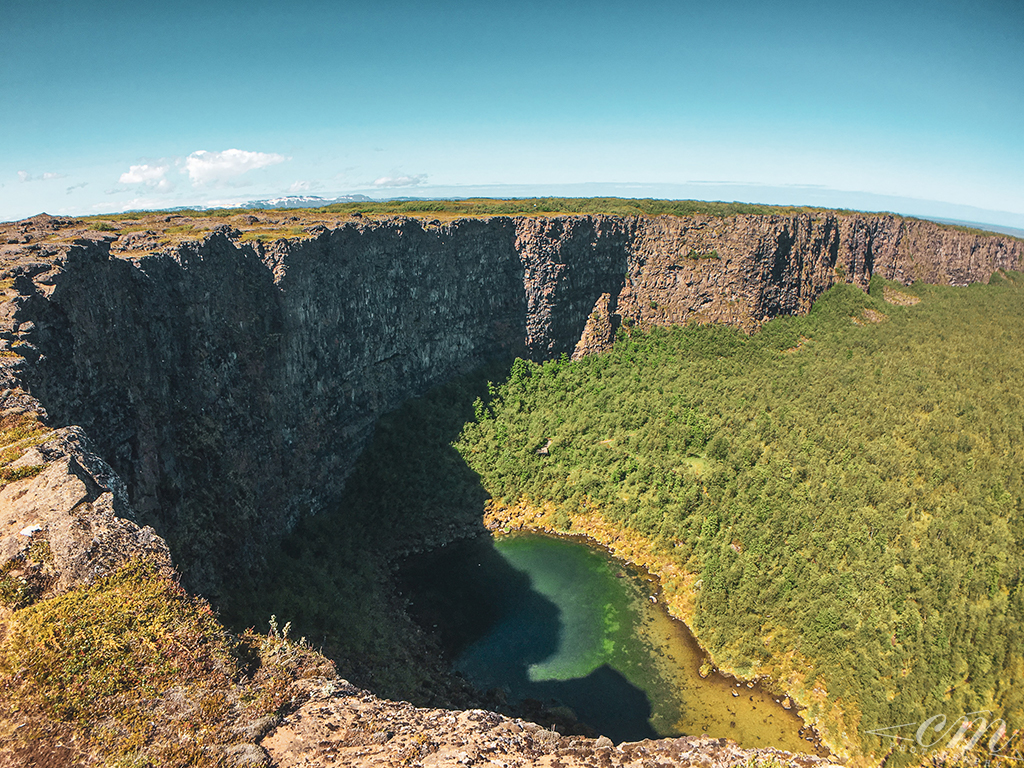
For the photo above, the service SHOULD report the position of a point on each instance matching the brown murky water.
(716, 705)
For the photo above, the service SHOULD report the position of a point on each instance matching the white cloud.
(219, 167)
(73, 187)
(400, 181)
(26, 176)
(153, 176)
(304, 186)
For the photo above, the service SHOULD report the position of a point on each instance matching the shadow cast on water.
(332, 577)
(606, 701)
(497, 627)
(462, 591)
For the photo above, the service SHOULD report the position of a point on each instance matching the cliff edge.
(210, 390)
(231, 382)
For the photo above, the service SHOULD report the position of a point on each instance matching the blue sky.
(916, 107)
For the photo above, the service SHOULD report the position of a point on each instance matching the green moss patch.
(24, 578)
(19, 432)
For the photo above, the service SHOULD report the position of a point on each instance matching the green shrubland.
(851, 491)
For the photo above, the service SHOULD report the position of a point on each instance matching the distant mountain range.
(303, 201)
(289, 201)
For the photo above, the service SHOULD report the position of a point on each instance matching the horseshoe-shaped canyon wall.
(232, 384)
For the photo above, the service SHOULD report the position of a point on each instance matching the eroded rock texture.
(232, 384)
(343, 726)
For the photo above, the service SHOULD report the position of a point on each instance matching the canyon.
(193, 396)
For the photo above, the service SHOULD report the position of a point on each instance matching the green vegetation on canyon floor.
(839, 494)
(845, 487)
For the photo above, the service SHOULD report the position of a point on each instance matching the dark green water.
(563, 623)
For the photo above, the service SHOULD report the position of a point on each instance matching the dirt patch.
(797, 348)
(900, 298)
(869, 315)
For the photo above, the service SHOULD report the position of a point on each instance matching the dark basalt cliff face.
(232, 384)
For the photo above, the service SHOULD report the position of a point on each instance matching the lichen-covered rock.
(69, 524)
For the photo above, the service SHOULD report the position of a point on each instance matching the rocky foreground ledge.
(61, 534)
(60, 531)
(342, 726)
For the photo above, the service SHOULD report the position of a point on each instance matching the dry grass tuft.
(135, 671)
(899, 298)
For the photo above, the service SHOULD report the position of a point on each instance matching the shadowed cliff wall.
(232, 385)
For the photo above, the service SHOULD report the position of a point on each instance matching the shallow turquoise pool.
(562, 622)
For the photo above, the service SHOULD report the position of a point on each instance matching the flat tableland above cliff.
(146, 231)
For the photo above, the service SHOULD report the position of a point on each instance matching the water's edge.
(682, 676)
(502, 519)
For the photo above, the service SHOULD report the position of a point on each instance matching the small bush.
(702, 254)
